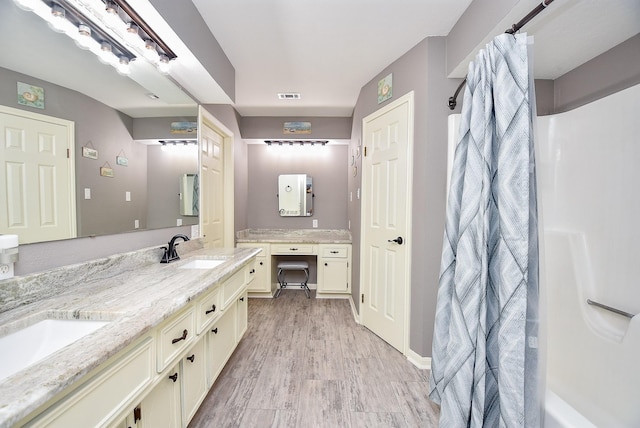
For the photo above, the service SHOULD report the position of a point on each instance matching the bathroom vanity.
(167, 331)
(329, 248)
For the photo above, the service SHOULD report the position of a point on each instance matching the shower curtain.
(484, 358)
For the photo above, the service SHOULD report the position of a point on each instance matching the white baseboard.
(356, 316)
(423, 363)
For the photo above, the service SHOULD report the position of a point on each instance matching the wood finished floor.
(306, 363)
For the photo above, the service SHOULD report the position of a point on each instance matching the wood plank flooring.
(306, 363)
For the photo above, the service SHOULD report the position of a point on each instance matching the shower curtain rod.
(514, 28)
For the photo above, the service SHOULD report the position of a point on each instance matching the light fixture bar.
(300, 142)
(142, 25)
(76, 17)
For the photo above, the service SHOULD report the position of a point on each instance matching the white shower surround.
(588, 177)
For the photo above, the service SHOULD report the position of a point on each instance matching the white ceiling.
(327, 50)
(324, 49)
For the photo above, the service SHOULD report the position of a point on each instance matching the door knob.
(398, 240)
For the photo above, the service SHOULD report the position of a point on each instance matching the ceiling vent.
(289, 96)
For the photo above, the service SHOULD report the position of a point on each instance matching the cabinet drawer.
(174, 337)
(280, 249)
(232, 287)
(335, 252)
(207, 309)
(100, 400)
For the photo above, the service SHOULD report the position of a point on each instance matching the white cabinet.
(261, 286)
(242, 316)
(194, 379)
(334, 268)
(161, 407)
(100, 400)
(166, 374)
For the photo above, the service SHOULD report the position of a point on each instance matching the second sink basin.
(31, 344)
(202, 264)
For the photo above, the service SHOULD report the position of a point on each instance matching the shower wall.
(589, 194)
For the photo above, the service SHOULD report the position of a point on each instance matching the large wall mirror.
(119, 119)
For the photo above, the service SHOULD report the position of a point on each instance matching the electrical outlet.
(87, 193)
(136, 224)
(358, 193)
(350, 196)
(179, 222)
(127, 196)
(315, 222)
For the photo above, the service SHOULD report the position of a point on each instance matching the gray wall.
(614, 70)
(271, 127)
(328, 167)
(421, 70)
(163, 184)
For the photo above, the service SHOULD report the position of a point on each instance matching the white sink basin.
(202, 264)
(31, 344)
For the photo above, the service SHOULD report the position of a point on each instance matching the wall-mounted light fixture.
(111, 29)
(300, 142)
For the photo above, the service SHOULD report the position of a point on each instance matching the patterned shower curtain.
(484, 359)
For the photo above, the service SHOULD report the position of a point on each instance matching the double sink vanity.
(124, 341)
(127, 341)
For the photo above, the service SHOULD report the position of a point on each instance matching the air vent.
(289, 96)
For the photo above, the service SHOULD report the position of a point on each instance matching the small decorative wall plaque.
(184, 127)
(89, 152)
(106, 170)
(296, 128)
(121, 159)
(385, 88)
(29, 95)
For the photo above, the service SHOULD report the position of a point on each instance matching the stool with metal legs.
(285, 266)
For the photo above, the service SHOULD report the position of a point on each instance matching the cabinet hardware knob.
(191, 357)
(184, 336)
(213, 309)
(215, 330)
(334, 252)
(137, 414)
(242, 299)
(174, 377)
(326, 264)
(261, 263)
(252, 271)
(293, 249)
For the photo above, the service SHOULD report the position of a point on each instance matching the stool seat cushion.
(293, 265)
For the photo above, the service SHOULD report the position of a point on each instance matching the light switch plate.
(136, 224)
(127, 196)
(179, 222)
(315, 222)
(87, 193)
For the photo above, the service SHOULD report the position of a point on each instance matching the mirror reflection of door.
(295, 195)
(189, 195)
(36, 158)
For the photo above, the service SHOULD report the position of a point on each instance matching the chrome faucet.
(170, 253)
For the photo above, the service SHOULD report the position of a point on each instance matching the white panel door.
(36, 164)
(386, 208)
(212, 182)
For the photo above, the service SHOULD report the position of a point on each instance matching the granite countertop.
(306, 236)
(135, 299)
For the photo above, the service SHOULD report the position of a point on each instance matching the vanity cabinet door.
(334, 269)
(221, 341)
(194, 380)
(161, 407)
(241, 316)
(261, 282)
